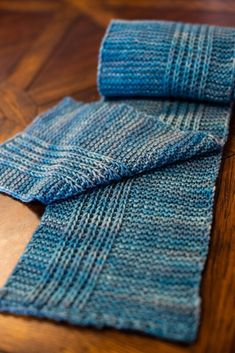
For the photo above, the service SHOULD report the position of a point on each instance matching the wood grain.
(48, 49)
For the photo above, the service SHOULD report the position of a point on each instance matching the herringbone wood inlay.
(48, 50)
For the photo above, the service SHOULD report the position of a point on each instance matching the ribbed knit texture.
(162, 59)
(128, 183)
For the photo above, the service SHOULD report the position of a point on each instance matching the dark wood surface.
(48, 49)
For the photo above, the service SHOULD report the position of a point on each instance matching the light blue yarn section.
(128, 183)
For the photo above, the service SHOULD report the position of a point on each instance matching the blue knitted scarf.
(128, 183)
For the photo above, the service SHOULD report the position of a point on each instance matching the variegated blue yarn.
(167, 59)
(128, 183)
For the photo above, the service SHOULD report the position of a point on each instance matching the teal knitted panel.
(167, 59)
(93, 145)
(128, 183)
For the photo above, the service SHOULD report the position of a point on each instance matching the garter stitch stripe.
(128, 182)
(167, 59)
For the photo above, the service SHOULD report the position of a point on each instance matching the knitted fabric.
(128, 183)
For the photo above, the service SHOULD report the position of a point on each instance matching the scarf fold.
(128, 182)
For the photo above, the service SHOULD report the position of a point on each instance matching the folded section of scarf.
(128, 182)
(81, 146)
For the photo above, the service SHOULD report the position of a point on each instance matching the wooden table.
(48, 49)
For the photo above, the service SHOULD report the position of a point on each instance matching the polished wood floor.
(48, 49)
